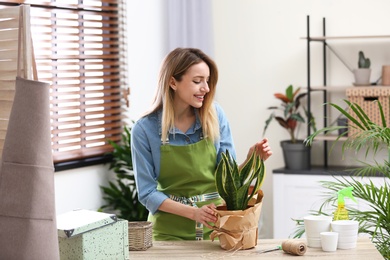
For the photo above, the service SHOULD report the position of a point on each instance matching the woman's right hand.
(206, 215)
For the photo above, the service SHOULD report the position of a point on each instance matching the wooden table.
(207, 249)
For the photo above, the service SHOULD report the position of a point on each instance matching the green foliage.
(375, 219)
(363, 62)
(121, 195)
(291, 112)
(233, 183)
(371, 136)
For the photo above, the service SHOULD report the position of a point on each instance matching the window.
(80, 48)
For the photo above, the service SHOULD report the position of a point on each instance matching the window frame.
(109, 46)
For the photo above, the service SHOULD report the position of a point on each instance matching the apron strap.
(192, 202)
(167, 140)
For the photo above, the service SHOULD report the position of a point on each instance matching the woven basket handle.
(26, 67)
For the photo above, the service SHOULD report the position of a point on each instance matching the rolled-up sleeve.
(226, 138)
(144, 171)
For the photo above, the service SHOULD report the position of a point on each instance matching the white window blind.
(80, 49)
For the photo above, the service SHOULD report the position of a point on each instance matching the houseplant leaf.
(121, 194)
(374, 219)
(233, 183)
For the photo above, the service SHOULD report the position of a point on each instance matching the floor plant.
(121, 194)
(374, 218)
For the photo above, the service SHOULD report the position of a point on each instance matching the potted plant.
(237, 223)
(363, 72)
(371, 136)
(121, 194)
(295, 153)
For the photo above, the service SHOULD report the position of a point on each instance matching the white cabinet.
(296, 194)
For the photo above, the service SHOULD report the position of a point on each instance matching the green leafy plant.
(371, 136)
(233, 184)
(363, 62)
(291, 112)
(121, 195)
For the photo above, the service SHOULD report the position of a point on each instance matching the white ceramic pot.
(362, 77)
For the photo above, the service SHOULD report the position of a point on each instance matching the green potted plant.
(290, 114)
(371, 137)
(363, 72)
(237, 224)
(121, 194)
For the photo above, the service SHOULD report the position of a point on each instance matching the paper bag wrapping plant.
(237, 223)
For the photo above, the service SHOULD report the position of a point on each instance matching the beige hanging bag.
(27, 200)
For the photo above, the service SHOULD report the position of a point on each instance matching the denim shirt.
(145, 147)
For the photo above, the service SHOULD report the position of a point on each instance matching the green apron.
(186, 172)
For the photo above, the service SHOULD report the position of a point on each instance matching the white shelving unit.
(325, 89)
(296, 193)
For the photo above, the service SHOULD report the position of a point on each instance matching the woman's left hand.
(262, 149)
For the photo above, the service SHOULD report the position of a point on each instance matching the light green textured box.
(79, 221)
(104, 243)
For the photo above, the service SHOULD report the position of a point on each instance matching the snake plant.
(233, 183)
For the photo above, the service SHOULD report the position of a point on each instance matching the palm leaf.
(121, 194)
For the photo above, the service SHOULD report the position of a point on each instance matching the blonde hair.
(176, 64)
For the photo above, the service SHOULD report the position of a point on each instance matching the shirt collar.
(196, 126)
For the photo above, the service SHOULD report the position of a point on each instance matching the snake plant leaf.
(259, 173)
(260, 168)
(220, 180)
(246, 169)
(229, 185)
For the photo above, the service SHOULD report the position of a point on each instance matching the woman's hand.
(206, 214)
(262, 149)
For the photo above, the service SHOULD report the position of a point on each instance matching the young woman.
(177, 145)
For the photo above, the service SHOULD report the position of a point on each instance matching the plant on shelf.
(363, 62)
(363, 72)
(291, 114)
(121, 195)
(237, 222)
(371, 137)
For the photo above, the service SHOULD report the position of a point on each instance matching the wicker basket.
(364, 96)
(140, 235)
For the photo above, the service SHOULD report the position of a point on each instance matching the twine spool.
(294, 247)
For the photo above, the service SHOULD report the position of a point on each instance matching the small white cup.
(329, 241)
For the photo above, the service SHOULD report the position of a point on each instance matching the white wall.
(258, 51)
(80, 188)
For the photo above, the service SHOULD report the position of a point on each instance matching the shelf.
(345, 170)
(323, 38)
(328, 88)
(342, 88)
(330, 138)
(318, 170)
